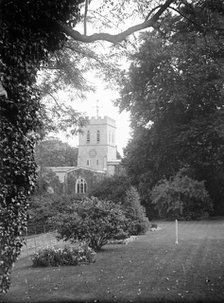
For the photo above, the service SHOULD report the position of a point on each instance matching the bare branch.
(85, 17)
(118, 37)
(62, 108)
(180, 13)
(150, 13)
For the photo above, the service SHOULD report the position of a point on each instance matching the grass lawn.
(149, 269)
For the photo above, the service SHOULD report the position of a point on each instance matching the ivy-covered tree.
(27, 39)
(174, 91)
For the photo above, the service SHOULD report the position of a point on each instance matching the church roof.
(66, 169)
(63, 169)
(114, 162)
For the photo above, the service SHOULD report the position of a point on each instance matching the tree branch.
(150, 13)
(118, 37)
(85, 16)
(180, 13)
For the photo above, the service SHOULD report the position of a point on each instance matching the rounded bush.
(92, 221)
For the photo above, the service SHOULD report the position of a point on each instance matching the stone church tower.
(97, 158)
(97, 148)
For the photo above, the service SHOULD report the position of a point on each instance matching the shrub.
(47, 180)
(63, 256)
(43, 207)
(181, 197)
(111, 189)
(92, 221)
(139, 223)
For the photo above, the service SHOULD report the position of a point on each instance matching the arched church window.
(98, 136)
(81, 186)
(88, 136)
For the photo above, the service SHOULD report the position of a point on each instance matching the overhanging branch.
(85, 16)
(118, 37)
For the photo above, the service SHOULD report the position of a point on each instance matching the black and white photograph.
(111, 151)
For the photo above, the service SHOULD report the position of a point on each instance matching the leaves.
(111, 189)
(53, 152)
(92, 221)
(181, 197)
(28, 38)
(174, 92)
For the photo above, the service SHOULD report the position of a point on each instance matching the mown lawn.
(149, 269)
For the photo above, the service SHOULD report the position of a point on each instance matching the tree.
(27, 40)
(43, 206)
(181, 197)
(111, 189)
(54, 152)
(174, 91)
(148, 22)
(135, 212)
(67, 66)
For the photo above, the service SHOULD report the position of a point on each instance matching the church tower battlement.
(97, 144)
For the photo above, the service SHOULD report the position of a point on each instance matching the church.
(97, 157)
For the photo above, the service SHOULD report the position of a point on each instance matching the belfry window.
(98, 136)
(81, 186)
(88, 136)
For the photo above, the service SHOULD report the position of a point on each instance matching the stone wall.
(91, 178)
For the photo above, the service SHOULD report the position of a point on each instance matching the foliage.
(47, 182)
(17, 172)
(53, 152)
(174, 91)
(119, 190)
(111, 189)
(135, 212)
(44, 206)
(181, 197)
(93, 221)
(63, 256)
(60, 117)
(64, 203)
(27, 38)
(40, 210)
(67, 66)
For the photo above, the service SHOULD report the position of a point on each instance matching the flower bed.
(123, 241)
(52, 256)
